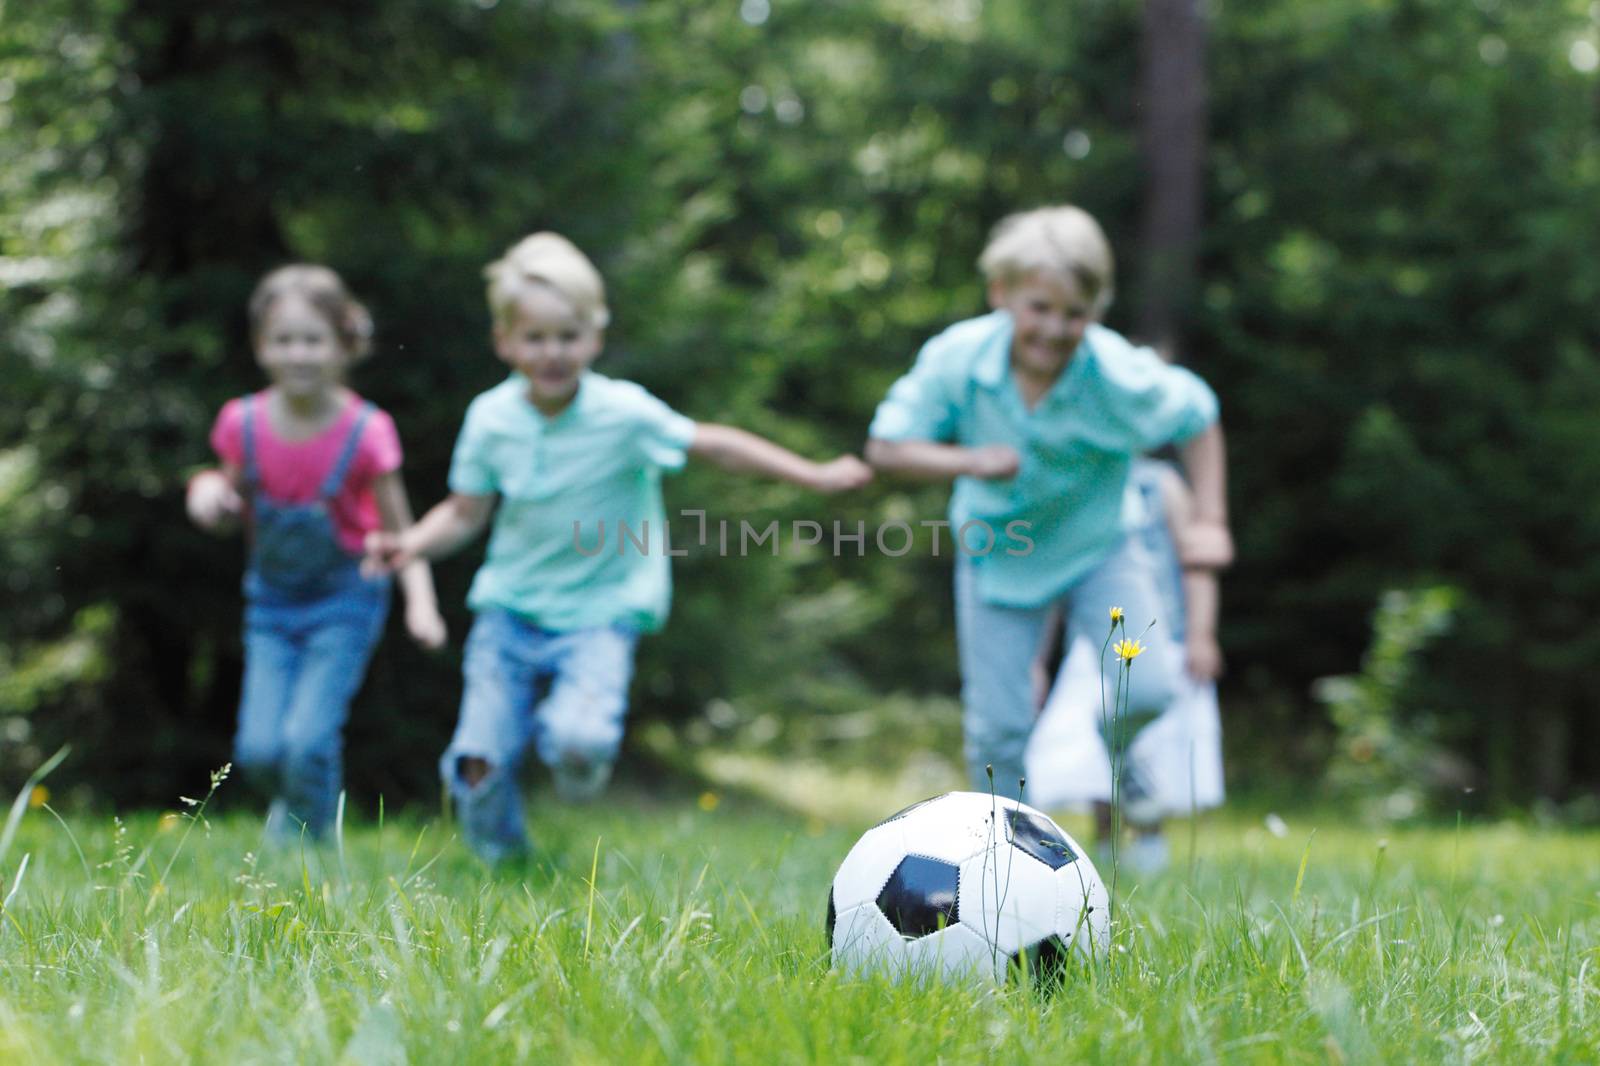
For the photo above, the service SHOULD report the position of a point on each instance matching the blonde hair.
(325, 291)
(1062, 240)
(546, 259)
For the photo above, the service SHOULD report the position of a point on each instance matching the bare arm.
(1201, 604)
(423, 621)
(1201, 594)
(451, 523)
(1205, 539)
(927, 460)
(738, 450)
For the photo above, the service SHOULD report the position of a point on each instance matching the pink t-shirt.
(293, 471)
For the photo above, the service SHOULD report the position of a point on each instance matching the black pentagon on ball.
(1042, 964)
(1040, 839)
(920, 896)
(833, 918)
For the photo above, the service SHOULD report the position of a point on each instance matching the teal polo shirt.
(599, 461)
(1113, 401)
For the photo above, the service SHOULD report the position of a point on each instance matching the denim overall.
(311, 622)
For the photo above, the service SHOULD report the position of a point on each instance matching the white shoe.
(278, 825)
(579, 781)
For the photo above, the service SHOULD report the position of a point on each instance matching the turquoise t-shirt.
(562, 481)
(1112, 401)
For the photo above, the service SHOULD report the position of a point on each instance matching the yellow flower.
(38, 797)
(169, 821)
(1116, 615)
(1128, 650)
(709, 801)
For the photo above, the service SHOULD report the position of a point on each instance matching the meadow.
(676, 926)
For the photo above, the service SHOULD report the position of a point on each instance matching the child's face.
(1049, 313)
(550, 343)
(299, 349)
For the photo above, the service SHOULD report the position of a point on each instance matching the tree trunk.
(1172, 92)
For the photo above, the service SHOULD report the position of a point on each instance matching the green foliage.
(1396, 306)
(1387, 758)
(653, 930)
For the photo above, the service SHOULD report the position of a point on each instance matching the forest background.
(1369, 223)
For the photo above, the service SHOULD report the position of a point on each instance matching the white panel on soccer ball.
(864, 941)
(868, 866)
(1083, 908)
(1009, 897)
(954, 954)
(953, 827)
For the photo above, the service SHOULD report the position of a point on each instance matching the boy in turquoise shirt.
(566, 453)
(1036, 411)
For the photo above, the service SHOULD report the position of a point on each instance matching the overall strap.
(341, 467)
(252, 473)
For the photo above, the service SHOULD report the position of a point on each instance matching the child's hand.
(426, 625)
(1203, 656)
(212, 501)
(386, 553)
(841, 475)
(994, 462)
(1206, 544)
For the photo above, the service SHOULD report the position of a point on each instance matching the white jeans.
(998, 646)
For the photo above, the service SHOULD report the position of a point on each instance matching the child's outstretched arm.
(1205, 540)
(423, 620)
(928, 460)
(452, 522)
(739, 450)
(213, 501)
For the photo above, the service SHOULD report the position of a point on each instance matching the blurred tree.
(1395, 301)
(1172, 96)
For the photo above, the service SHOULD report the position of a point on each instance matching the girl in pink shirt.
(311, 468)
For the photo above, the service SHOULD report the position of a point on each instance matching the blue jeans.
(998, 646)
(304, 660)
(565, 693)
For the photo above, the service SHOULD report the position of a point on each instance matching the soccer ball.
(966, 886)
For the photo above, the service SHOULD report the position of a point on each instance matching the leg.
(1102, 823)
(1181, 754)
(480, 765)
(271, 663)
(338, 647)
(1067, 759)
(997, 646)
(579, 723)
(1126, 579)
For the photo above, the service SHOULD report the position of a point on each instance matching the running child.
(311, 468)
(1035, 411)
(1170, 763)
(554, 450)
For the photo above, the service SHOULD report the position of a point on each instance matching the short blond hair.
(551, 260)
(1062, 240)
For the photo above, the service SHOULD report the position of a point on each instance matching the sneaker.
(279, 826)
(1148, 853)
(579, 781)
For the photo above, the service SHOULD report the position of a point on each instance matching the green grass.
(700, 940)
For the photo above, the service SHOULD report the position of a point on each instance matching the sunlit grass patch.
(675, 931)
